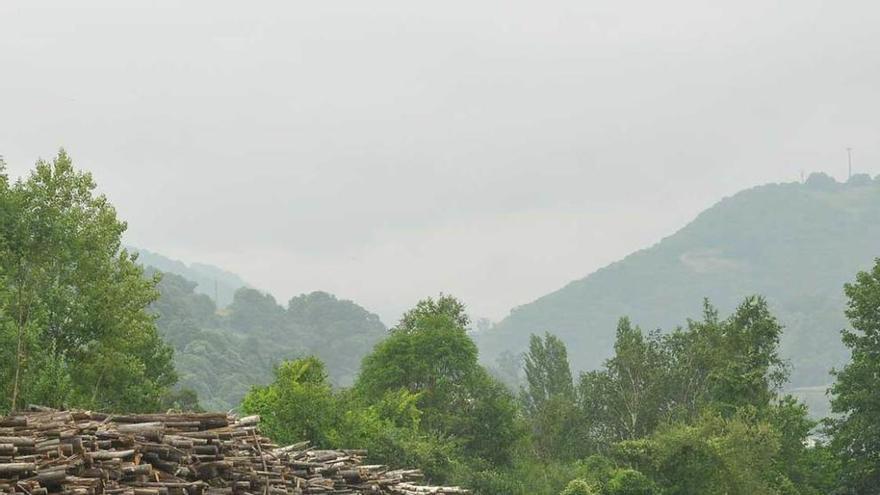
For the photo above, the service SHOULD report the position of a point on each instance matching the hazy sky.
(389, 150)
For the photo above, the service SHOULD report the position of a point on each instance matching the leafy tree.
(73, 319)
(301, 405)
(298, 405)
(806, 467)
(748, 370)
(630, 482)
(445, 305)
(222, 354)
(626, 399)
(431, 354)
(339, 332)
(254, 311)
(547, 371)
(577, 487)
(549, 400)
(856, 391)
(179, 310)
(713, 456)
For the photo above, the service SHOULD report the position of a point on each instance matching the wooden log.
(51, 476)
(16, 468)
(14, 421)
(18, 441)
(111, 454)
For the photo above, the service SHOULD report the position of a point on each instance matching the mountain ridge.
(794, 243)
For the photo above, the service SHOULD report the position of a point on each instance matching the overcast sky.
(389, 150)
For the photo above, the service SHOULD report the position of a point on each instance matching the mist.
(387, 151)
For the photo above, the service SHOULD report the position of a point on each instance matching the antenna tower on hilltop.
(849, 163)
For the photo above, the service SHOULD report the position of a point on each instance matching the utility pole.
(849, 162)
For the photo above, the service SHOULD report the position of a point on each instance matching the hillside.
(796, 244)
(222, 355)
(216, 283)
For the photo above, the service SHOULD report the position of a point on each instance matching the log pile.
(85, 453)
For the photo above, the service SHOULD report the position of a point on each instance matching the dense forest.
(698, 409)
(796, 244)
(221, 354)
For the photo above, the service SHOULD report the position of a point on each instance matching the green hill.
(216, 283)
(221, 355)
(796, 244)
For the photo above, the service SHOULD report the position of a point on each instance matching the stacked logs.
(44, 451)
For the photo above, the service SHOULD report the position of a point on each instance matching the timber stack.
(44, 451)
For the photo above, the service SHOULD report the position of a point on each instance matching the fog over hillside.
(386, 151)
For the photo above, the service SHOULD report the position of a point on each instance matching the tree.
(725, 364)
(338, 331)
(627, 398)
(299, 405)
(856, 391)
(748, 368)
(547, 371)
(630, 482)
(69, 290)
(253, 311)
(431, 354)
(549, 400)
(577, 487)
(445, 305)
(712, 456)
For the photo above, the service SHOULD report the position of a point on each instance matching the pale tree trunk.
(19, 354)
(23, 316)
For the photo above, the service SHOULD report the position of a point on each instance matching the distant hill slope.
(208, 278)
(796, 244)
(222, 355)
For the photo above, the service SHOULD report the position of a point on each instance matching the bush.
(630, 482)
(577, 487)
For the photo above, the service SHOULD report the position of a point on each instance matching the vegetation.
(220, 355)
(796, 244)
(74, 328)
(696, 410)
(699, 409)
(856, 392)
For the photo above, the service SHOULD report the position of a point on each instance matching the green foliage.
(693, 411)
(430, 354)
(577, 487)
(74, 330)
(253, 311)
(436, 358)
(548, 374)
(445, 306)
(713, 456)
(298, 405)
(719, 364)
(549, 400)
(790, 420)
(630, 482)
(856, 392)
(747, 369)
(301, 405)
(525, 476)
(625, 400)
(221, 354)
